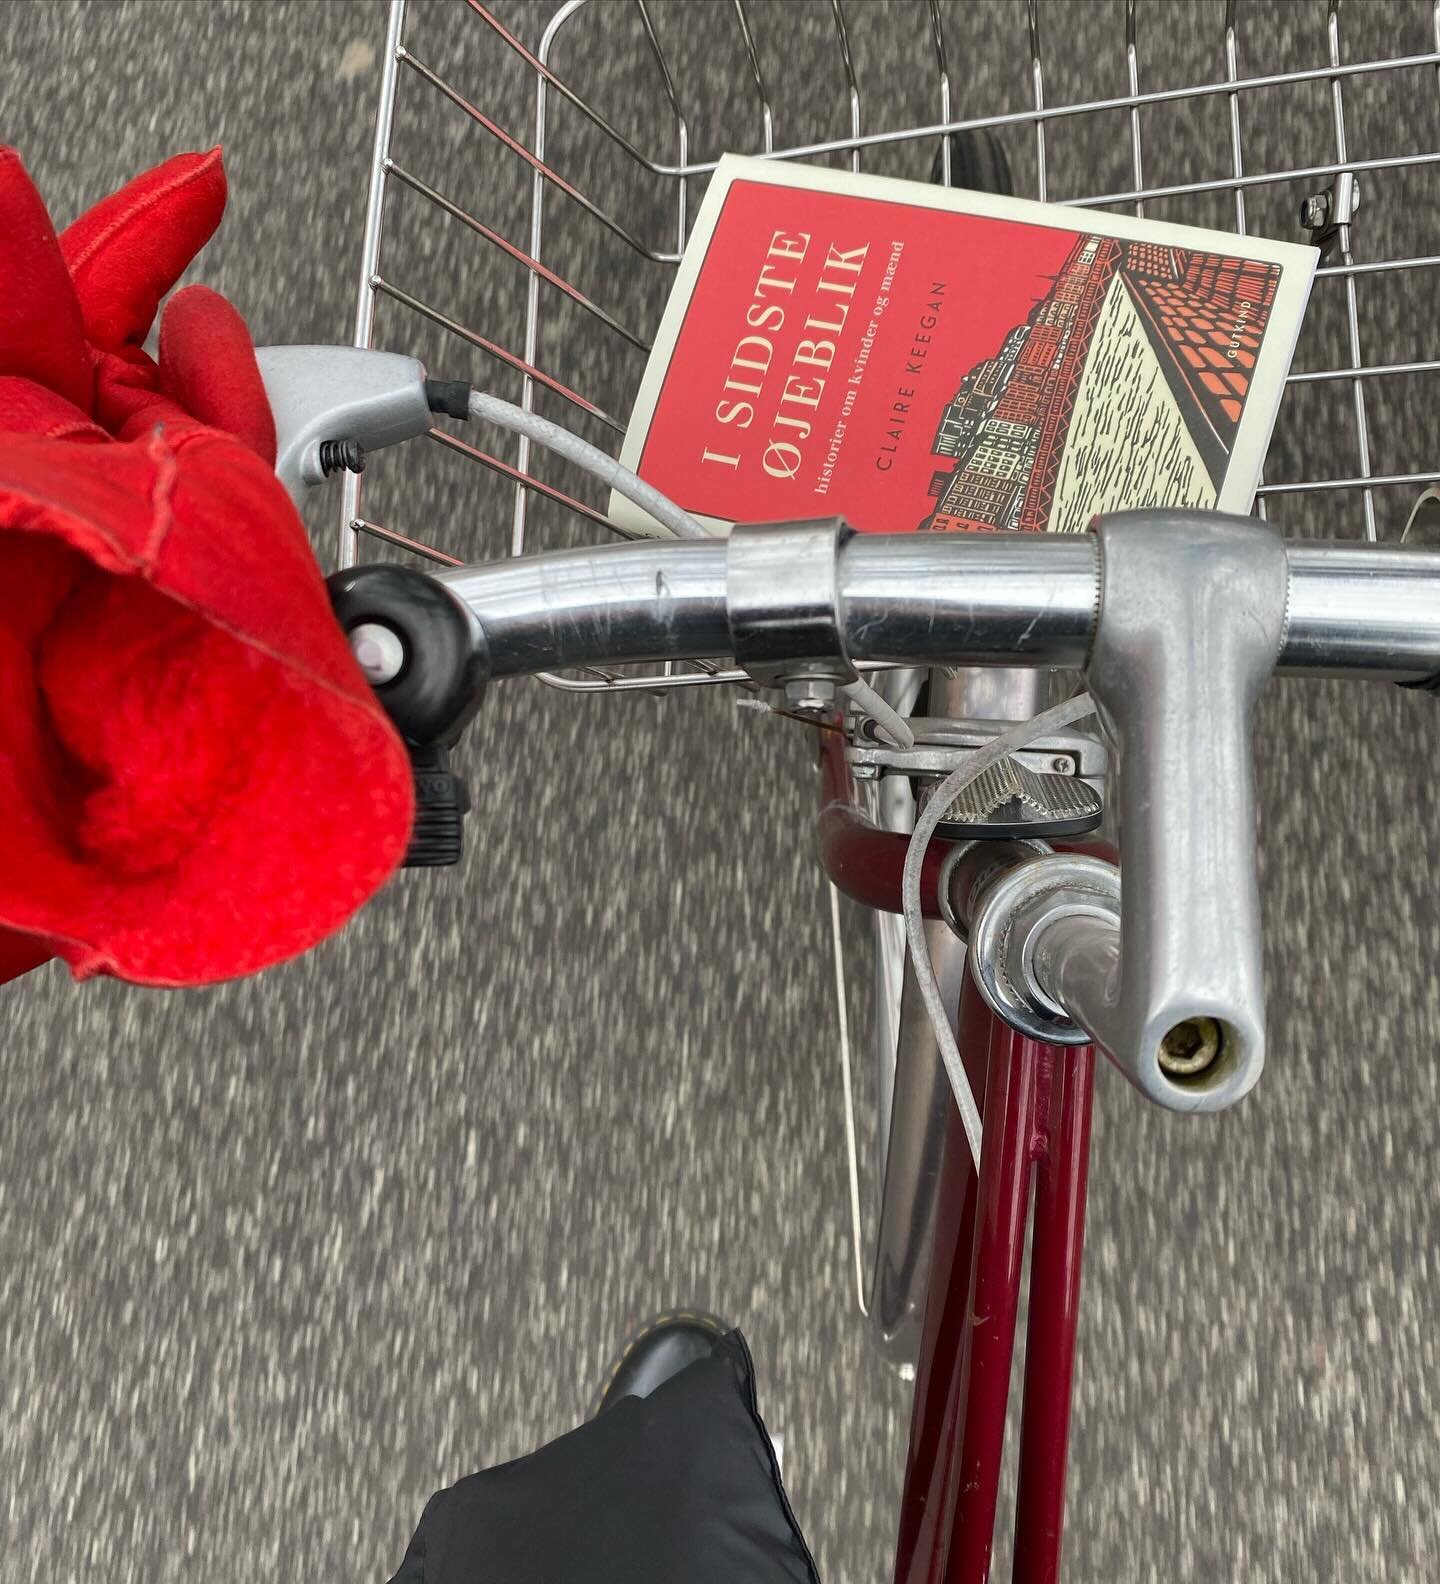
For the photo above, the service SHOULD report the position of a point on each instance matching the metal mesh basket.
(535, 175)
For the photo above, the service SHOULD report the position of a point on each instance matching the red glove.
(195, 779)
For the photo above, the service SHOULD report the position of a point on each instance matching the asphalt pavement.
(280, 1257)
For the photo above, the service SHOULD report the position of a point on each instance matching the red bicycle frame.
(1036, 1101)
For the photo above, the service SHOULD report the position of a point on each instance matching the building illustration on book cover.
(1125, 383)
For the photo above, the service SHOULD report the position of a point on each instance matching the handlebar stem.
(1192, 615)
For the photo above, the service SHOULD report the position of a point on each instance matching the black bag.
(680, 1487)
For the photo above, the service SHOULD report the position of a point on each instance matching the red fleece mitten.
(195, 778)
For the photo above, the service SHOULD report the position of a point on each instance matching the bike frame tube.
(925, 1510)
(1036, 1101)
(1062, 1166)
(863, 860)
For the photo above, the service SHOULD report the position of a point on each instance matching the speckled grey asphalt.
(278, 1258)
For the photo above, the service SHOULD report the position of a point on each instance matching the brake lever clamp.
(425, 658)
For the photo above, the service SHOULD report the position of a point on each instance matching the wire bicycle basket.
(529, 201)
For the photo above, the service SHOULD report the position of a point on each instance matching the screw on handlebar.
(1191, 1048)
(336, 455)
(810, 695)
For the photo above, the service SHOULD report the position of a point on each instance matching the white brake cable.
(570, 446)
(890, 721)
(507, 415)
(943, 796)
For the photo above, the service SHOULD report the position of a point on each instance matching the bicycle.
(1321, 608)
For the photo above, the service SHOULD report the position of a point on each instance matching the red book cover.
(924, 358)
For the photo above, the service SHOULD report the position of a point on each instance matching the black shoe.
(661, 1348)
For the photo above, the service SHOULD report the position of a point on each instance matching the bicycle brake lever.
(332, 404)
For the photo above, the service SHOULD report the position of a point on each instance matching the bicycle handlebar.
(977, 599)
(1004, 599)
(1177, 618)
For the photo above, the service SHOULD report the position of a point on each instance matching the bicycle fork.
(1036, 1100)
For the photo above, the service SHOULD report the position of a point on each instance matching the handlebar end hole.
(1193, 1051)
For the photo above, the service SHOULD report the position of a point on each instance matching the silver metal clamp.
(1015, 924)
(782, 593)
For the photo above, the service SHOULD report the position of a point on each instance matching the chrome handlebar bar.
(1177, 619)
(977, 599)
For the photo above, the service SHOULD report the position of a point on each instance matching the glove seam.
(163, 517)
(79, 429)
(87, 254)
